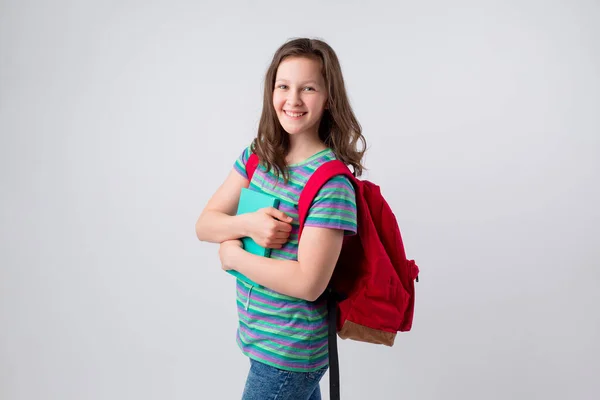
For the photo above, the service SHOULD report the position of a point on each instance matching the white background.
(119, 119)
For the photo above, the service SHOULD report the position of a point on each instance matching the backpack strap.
(324, 173)
(334, 362)
(251, 165)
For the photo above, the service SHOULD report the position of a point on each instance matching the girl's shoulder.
(339, 182)
(246, 153)
(240, 162)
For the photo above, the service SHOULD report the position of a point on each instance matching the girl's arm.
(218, 222)
(307, 278)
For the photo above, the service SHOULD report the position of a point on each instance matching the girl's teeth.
(294, 114)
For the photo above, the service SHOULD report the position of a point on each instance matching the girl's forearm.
(283, 276)
(217, 227)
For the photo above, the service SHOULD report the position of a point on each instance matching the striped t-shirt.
(282, 331)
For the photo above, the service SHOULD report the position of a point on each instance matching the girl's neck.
(302, 148)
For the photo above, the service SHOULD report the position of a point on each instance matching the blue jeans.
(269, 383)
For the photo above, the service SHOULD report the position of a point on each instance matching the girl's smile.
(294, 115)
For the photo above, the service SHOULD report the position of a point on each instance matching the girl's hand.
(227, 252)
(269, 227)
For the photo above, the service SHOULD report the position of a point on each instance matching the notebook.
(251, 201)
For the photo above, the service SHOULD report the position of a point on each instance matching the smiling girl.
(306, 121)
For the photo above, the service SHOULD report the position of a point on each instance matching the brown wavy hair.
(339, 129)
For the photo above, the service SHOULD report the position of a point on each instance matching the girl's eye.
(308, 88)
(282, 87)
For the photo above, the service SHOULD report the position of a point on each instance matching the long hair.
(339, 129)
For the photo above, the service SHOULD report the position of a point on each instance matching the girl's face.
(300, 95)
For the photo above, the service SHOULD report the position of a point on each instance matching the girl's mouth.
(294, 115)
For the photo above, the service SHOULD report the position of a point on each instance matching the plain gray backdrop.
(119, 119)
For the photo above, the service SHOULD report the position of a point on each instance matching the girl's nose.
(294, 99)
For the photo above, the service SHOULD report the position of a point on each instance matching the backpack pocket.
(376, 312)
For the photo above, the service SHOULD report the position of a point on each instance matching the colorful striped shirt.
(282, 331)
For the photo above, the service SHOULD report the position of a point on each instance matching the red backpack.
(372, 290)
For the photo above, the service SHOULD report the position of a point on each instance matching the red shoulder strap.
(324, 173)
(251, 165)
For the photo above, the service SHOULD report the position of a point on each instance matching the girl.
(306, 121)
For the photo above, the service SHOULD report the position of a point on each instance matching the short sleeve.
(334, 206)
(240, 162)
